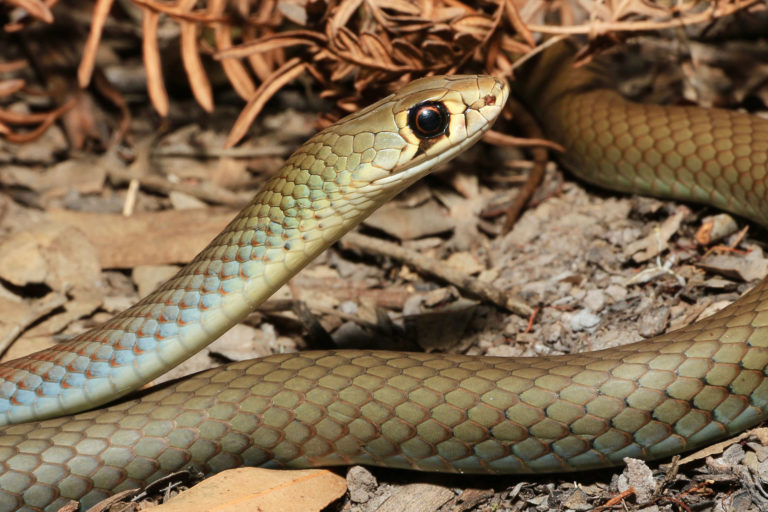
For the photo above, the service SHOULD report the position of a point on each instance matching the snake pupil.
(428, 119)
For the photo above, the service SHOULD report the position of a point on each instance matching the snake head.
(385, 147)
(435, 119)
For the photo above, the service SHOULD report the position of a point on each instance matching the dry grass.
(352, 49)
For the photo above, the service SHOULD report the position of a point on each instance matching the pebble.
(584, 320)
(637, 475)
(616, 292)
(595, 300)
(348, 307)
(653, 322)
(552, 332)
(361, 484)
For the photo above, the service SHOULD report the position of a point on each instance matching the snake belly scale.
(431, 412)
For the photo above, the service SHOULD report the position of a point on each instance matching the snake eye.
(428, 119)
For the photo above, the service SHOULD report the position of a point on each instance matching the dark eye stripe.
(428, 119)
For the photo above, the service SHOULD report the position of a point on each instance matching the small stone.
(653, 322)
(584, 320)
(595, 300)
(552, 332)
(578, 293)
(577, 501)
(616, 292)
(638, 476)
(348, 307)
(361, 484)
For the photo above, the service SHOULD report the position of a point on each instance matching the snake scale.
(431, 412)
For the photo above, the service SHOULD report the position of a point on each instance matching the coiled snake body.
(431, 412)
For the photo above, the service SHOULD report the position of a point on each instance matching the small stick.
(205, 193)
(540, 157)
(461, 280)
(237, 152)
(617, 499)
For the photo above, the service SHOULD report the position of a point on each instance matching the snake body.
(431, 412)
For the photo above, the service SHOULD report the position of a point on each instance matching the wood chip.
(716, 228)
(417, 498)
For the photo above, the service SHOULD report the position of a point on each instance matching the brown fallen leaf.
(657, 241)
(718, 448)
(411, 223)
(265, 490)
(152, 238)
(25, 345)
(17, 316)
(84, 175)
(60, 257)
(747, 268)
(149, 277)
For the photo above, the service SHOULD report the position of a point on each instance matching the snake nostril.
(490, 99)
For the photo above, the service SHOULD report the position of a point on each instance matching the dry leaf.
(717, 448)
(198, 80)
(285, 74)
(152, 238)
(265, 490)
(100, 12)
(155, 85)
(60, 257)
(411, 223)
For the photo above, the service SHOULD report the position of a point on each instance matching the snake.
(420, 411)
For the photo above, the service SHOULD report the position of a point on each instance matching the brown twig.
(529, 125)
(100, 12)
(283, 75)
(45, 119)
(205, 192)
(617, 499)
(462, 281)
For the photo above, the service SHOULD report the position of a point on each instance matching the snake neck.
(268, 242)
